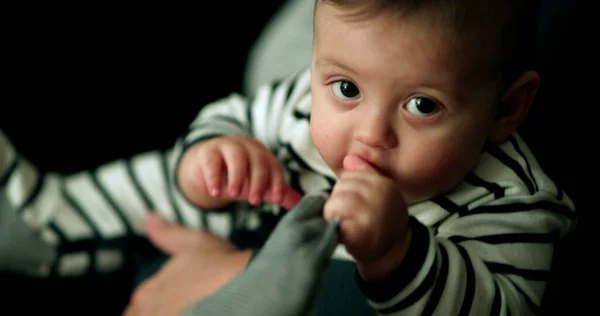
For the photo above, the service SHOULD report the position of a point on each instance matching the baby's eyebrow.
(324, 62)
(329, 62)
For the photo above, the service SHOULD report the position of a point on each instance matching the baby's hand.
(234, 168)
(373, 216)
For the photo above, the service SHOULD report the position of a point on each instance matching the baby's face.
(389, 91)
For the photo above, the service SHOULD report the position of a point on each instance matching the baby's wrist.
(381, 268)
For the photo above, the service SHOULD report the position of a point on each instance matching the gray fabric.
(286, 276)
(21, 249)
(284, 46)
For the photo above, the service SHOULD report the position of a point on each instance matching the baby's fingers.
(346, 207)
(277, 183)
(236, 160)
(211, 171)
(260, 169)
(291, 197)
(342, 205)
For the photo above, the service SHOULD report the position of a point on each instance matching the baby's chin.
(414, 197)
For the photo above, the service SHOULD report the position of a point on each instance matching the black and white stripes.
(88, 218)
(485, 248)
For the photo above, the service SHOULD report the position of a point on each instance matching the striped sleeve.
(258, 117)
(491, 255)
(84, 222)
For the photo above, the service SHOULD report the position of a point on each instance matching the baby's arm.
(52, 224)
(69, 225)
(493, 260)
(211, 174)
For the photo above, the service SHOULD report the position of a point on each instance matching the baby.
(408, 116)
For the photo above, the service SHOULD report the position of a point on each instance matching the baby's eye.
(345, 90)
(421, 106)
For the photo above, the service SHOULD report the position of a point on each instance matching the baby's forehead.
(470, 44)
(405, 47)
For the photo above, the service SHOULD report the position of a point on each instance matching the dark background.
(86, 84)
(91, 83)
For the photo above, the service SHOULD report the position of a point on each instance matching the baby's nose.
(376, 132)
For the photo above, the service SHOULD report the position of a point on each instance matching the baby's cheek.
(434, 172)
(319, 134)
(430, 168)
(324, 138)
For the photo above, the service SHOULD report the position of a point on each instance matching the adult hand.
(201, 264)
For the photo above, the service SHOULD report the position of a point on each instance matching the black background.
(90, 83)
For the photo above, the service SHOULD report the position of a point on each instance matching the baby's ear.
(514, 106)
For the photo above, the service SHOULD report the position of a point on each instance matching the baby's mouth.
(353, 162)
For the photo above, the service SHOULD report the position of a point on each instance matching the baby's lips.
(353, 162)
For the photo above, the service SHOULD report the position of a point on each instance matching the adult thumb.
(168, 237)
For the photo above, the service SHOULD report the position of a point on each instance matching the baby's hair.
(504, 30)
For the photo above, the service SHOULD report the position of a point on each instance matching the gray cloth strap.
(285, 277)
(22, 250)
